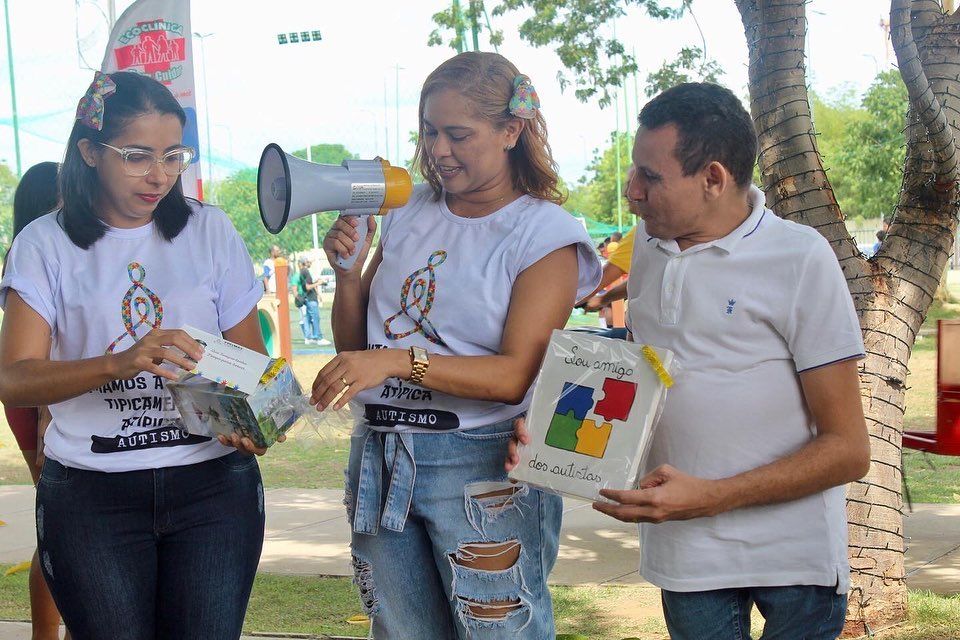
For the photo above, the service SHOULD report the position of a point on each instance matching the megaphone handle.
(346, 263)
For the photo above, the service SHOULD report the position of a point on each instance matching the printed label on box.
(228, 363)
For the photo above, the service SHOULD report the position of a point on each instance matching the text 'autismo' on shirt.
(445, 284)
(745, 315)
(102, 300)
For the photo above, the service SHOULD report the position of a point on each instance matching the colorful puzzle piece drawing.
(562, 432)
(617, 399)
(575, 398)
(592, 440)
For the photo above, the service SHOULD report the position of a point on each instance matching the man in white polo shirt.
(764, 426)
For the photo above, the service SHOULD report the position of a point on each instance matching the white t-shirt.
(104, 299)
(270, 273)
(744, 314)
(445, 284)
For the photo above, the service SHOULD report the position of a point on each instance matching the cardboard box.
(236, 390)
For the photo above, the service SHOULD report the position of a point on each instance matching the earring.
(508, 147)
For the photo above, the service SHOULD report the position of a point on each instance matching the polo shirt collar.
(730, 241)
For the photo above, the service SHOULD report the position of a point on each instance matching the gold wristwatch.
(419, 361)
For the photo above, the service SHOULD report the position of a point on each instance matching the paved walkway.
(307, 534)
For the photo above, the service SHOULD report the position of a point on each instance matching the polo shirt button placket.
(669, 295)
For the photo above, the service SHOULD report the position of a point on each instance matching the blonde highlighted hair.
(486, 80)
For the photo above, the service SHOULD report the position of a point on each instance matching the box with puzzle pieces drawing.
(593, 412)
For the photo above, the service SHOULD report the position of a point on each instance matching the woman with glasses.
(143, 530)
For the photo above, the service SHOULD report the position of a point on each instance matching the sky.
(363, 79)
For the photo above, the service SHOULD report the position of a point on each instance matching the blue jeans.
(313, 320)
(162, 553)
(803, 612)
(418, 526)
(303, 322)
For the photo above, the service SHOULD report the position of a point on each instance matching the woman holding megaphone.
(143, 530)
(438, 342)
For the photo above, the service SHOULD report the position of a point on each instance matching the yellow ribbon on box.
(273, 371)
(657, 365)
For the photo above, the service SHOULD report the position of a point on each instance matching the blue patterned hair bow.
(90, 109)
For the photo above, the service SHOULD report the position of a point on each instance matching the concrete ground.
(307, 534)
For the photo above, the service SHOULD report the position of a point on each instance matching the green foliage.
(326, 153)
(415, 175)
(866, 159)
(460, 22)
(598, 63)
(8, 186)
(690, 65)
(237, 195)
(598, 196)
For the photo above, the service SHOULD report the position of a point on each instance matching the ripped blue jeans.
(443, 546)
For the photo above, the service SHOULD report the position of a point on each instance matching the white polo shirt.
(744, 314)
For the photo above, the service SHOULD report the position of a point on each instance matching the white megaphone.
(289, 188)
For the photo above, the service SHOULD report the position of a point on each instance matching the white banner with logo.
(153, 37)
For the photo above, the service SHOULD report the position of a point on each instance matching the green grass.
(932, 617)
(322, 605)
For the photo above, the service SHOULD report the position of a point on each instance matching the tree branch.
(925, 103)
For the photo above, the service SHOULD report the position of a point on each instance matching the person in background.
(615, 238)
(35, 196)
(312, 304)
(269, 275)
(296, 286)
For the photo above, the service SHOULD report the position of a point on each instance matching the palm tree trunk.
(892, 291)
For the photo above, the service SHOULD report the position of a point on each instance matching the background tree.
(893, 290)
(8, 186)
(461, 22)
(690, 65)
(237, 195)
(867, 165)
(598, 197)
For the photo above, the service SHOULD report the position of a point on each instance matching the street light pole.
(386, 126)
(13, 89)
(206, 100)
(313, 216)
(376, 135)
(397, 108)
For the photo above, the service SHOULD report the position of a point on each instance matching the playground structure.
(273, 311)
(945, 440)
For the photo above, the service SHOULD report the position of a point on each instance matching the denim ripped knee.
(488, 586)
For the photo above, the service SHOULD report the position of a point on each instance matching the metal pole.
(397, 108)
(112, 13)
(206, 106)
(313, 216)
(616, 150)
(474, 16)
(376, 135)
(13, 90)
(461, 38)
(386, 127)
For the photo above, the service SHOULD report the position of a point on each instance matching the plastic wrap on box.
(594, 408)
(207, 408)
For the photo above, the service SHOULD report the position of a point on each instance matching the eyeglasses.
(138, 163)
